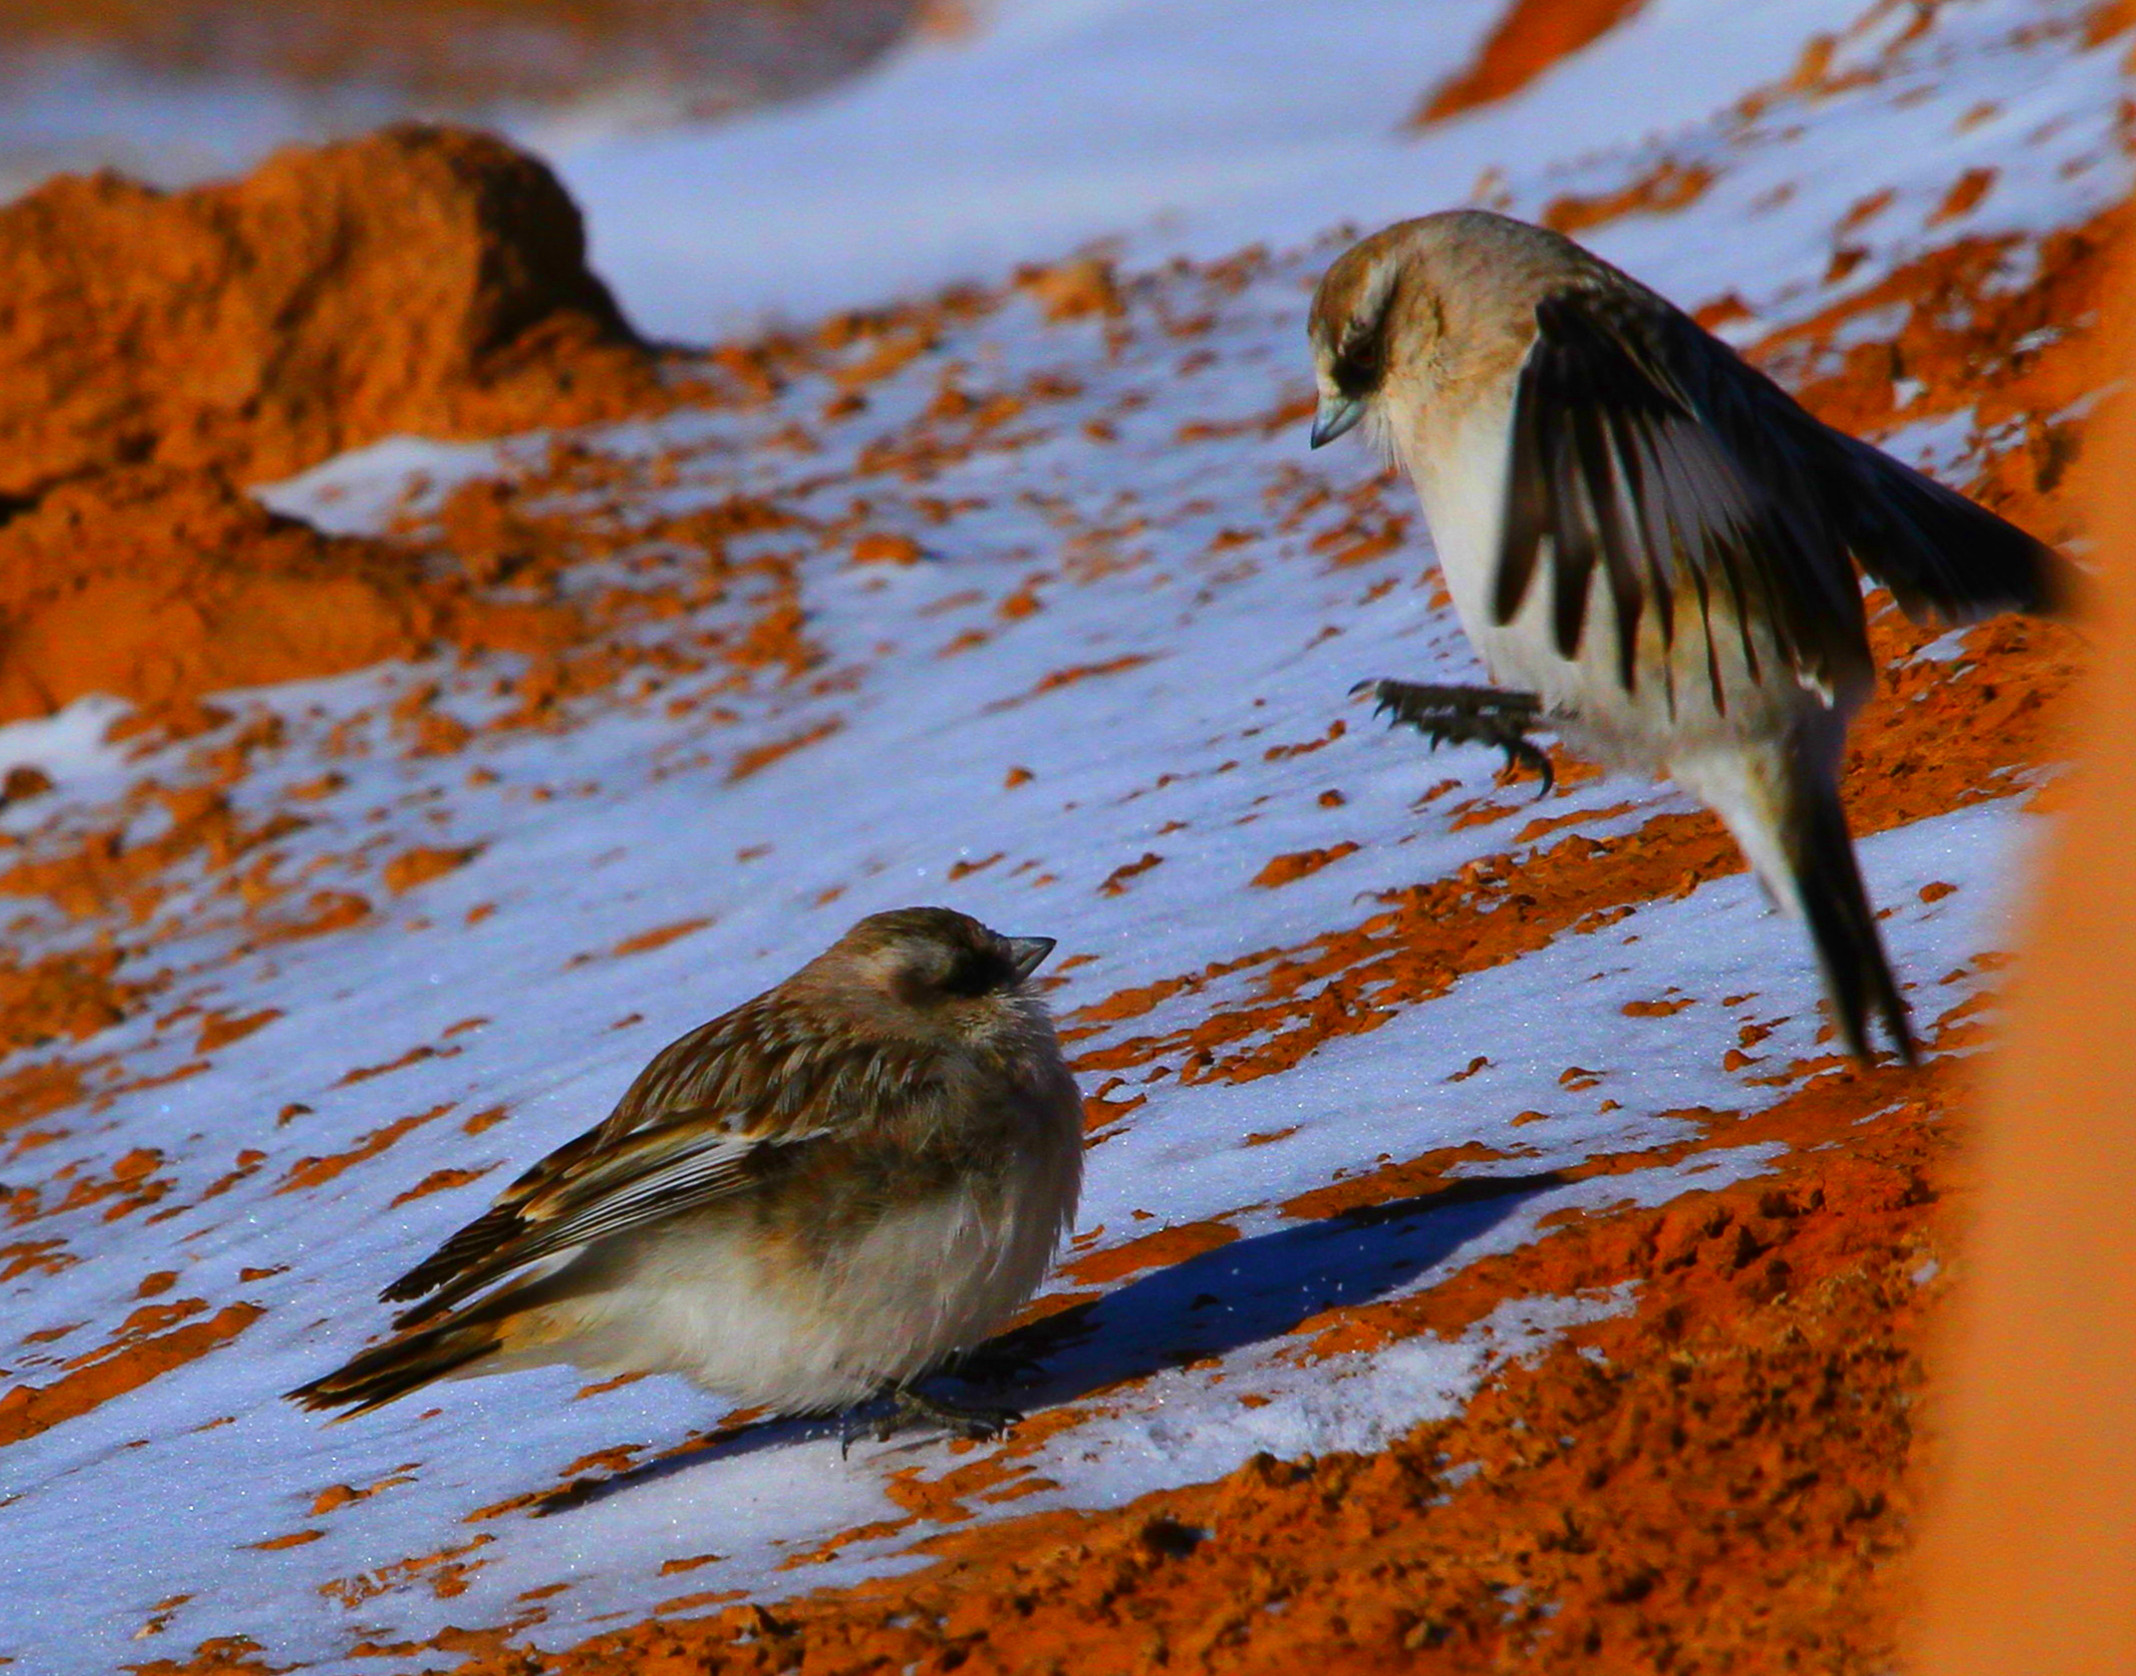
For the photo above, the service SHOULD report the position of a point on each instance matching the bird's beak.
(1026, 952)
(1337, 414)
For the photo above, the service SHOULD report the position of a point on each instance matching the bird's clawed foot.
(972, 1421)
(1467, 716)
(910, 1407)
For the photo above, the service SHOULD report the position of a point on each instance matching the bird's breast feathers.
(1457, 454)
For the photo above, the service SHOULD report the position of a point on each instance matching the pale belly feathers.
(709, 1297)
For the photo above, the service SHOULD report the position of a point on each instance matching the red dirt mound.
(155, 584)
(418, 279)
(157, 349)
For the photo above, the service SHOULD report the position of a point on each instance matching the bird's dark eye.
(1359, 362)
(954, 974)
(977, 972)
(1360, 357)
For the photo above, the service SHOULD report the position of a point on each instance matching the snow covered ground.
(1124, 640)
(1203, 126)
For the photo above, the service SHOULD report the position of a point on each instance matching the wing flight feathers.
(697, 1125)
(1644, 449)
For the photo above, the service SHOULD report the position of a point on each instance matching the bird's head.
(1358, 312)
(933, 972)
(1405, 319)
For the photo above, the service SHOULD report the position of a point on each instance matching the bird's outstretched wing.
(1941, 555)
(1645, 447)
(715, 1113)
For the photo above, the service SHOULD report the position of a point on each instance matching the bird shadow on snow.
(1244, 1293)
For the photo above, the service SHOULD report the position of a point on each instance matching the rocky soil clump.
(159, 349)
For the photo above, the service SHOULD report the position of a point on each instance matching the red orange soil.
(1667, 186)
(220, 326)
(2020, 356)
(1531, 37)
(163, 349)
(156, 584)
(2024, 1563)
(143, 1351)
(1938, 738)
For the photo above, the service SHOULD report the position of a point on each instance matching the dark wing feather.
(1645, 448)
(714, 1113)
(1575, 535)
(1528, 506)
(1941, 555)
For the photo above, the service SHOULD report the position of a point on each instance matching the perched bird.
(809, 1202)
(1650, 544)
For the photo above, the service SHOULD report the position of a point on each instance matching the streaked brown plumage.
(814, 1198)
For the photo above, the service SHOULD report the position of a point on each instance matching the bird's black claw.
(1467, 716)
(907, 1407)
(981, 1425)
(1524, 753)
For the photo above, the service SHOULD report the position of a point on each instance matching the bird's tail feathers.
(1835, 904)
(402, 1364)
(1785, 813)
